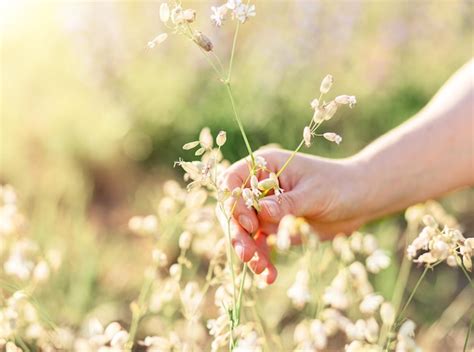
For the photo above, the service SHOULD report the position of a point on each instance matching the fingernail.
(246, 223)
(239, 249)
(272, 207)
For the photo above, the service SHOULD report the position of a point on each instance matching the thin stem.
(22, 344)
(287, 162)
(412, 293)
(293, 154)
(241, 291)
(467, 275)
(138, 312)
(229, 254)
(403, 275)
(234, 43)
(239, 123)
(468, 335)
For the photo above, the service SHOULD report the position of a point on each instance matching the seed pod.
(318, 115)
(326, 84)
(330, 110)
(267, 184)
(314, 103)
(332, 137)
(307, 136)
(203, 41)
(346, 100)
(221, 138)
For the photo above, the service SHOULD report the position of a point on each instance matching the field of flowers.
(115, 215)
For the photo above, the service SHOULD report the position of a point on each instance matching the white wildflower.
(346, 100)
(377, 261)
(299, 291)
(326, 84)
(332, 137)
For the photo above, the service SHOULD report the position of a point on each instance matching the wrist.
(362, 186)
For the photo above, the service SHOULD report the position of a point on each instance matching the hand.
(327, 193)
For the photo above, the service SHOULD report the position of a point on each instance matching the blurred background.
(92, 120)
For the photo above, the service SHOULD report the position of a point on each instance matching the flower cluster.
(324, 111)
(435, 244)
(111, 338)
(21, 260)
(178, 20)
(237, 9)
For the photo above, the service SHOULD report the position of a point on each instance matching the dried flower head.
(326, 84)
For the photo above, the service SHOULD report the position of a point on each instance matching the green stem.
(239, 122)
(412, 294)
(137, 313)
(241, 291)
(287, 162)
(468, 335)
(230, 258)
(234, 43)
(402, 279)
(467, 275)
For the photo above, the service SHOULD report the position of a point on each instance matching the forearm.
(429, 155)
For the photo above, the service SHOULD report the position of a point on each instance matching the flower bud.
(346, 100)
(157, 40)
(41, 272)
(164, 12)
(221, 138)
(189, 15)
(326, 84)
(190, 145)
(440, 250)
(330, 109)
(175, 272)
(159, 257)
(185, 240)
(318, 115)
(254, 182)
(332, 137)
(307, 136)
(203, 41)
(387, 313)
(267, 184)
(314, 103)
(451, 261)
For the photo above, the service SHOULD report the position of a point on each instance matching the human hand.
(327, 193)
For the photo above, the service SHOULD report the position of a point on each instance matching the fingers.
(242, 242)
(236, 176)
(276, 207)
(260, 263)
(246, 217)
(244, 245)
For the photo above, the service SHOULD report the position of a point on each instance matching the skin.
(429, 155)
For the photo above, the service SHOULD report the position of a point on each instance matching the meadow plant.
(195, 294)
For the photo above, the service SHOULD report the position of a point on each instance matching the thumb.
(273, 208)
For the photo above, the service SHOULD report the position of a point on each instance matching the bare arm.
(429, 155)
